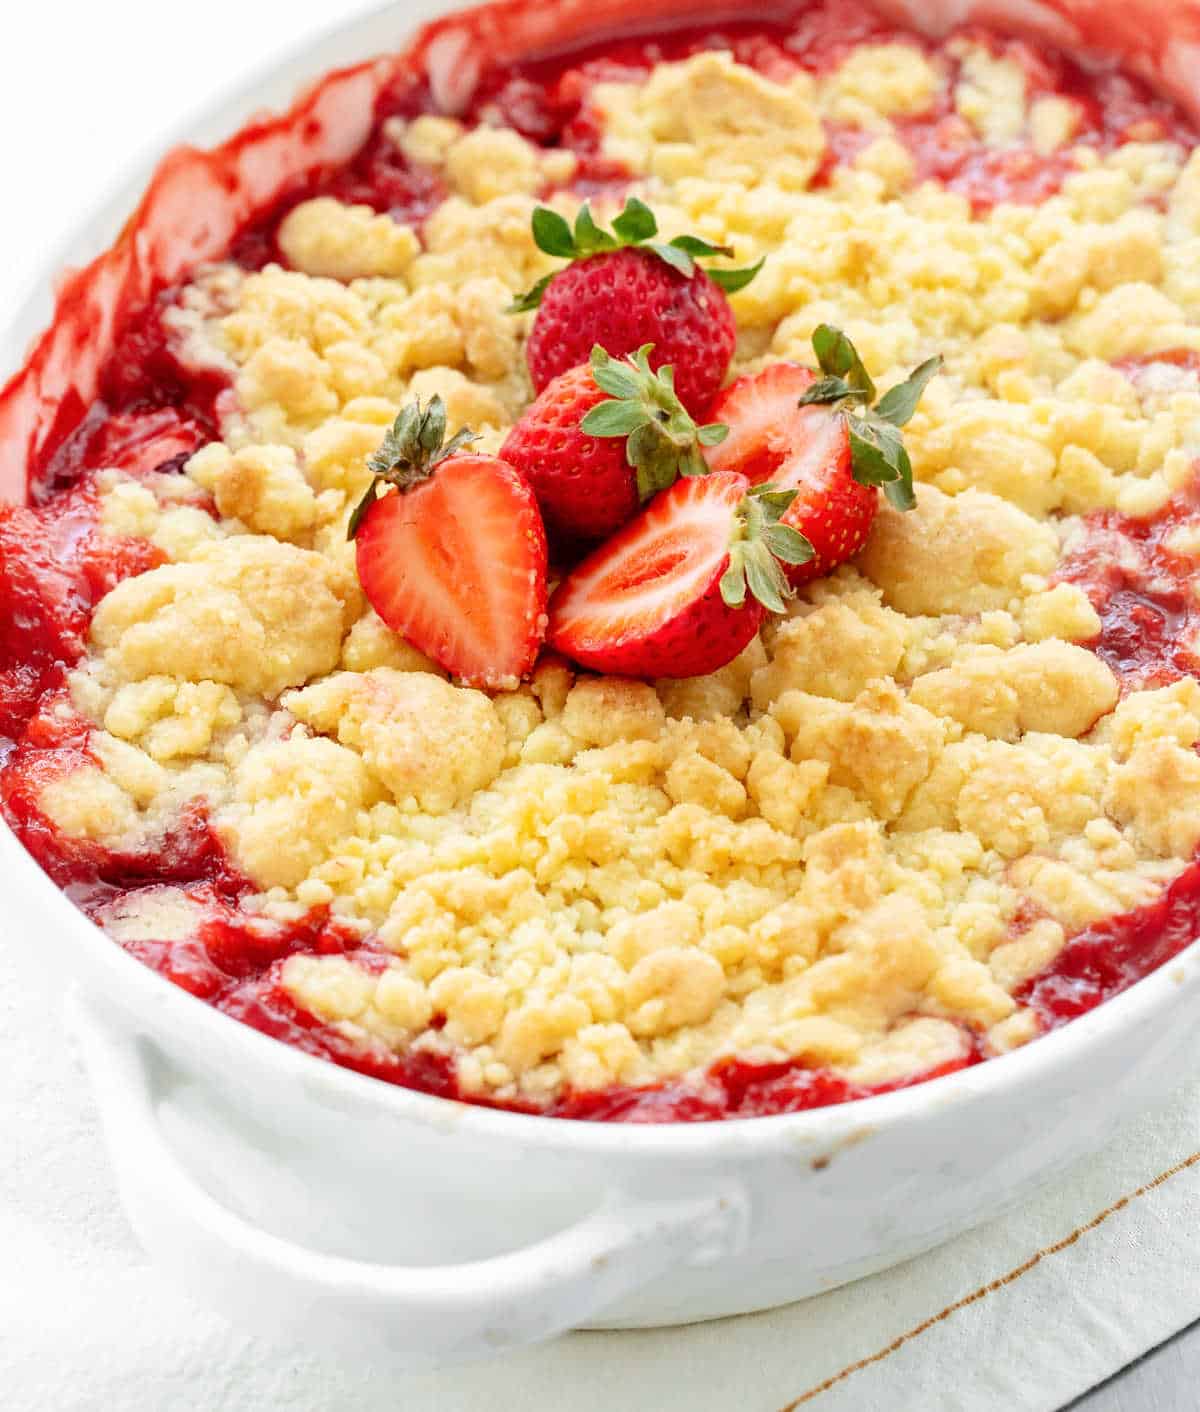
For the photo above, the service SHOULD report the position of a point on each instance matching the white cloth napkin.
(1023, 1314)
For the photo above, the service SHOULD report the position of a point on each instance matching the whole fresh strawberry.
(625, 289)
(453, 558)
(601, 439)
(682, 589)
(822, 438)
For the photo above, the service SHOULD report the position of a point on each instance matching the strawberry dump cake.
(663, 593)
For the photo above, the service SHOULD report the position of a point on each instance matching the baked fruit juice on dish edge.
(381, 517)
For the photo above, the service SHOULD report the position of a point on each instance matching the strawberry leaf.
(695, 245)
(898, 405)
(765, 578)
(354, 524)
(831, 389)
(787, 544)
(770, 501)
(615, 418)
(878, 457)
(531, 299)
(675, 257)
(396, 440)
(758, 547)
(839, 358)
(636, 223)
(655, 459)
(431, 429)
(552, 234)
(733, 280)
(899, 494)
(692, 463)
(616, 377)
(589, 238)
(636, 227)
(412, 448)
(662, 441)
(463, 437)
(874, 452)
(733, 581)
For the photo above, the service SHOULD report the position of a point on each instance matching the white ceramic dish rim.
(1040, 1058)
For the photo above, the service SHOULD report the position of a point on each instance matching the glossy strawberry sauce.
(152, 411)
(1141, 583)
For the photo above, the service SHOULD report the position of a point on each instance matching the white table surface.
(80, 83)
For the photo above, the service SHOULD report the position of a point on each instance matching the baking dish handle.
(425, 1316)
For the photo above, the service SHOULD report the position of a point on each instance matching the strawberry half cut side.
(820, 436)
(805, 449)
(455, 559)
(682, 589)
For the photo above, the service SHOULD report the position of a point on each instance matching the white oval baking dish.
(318, 1204)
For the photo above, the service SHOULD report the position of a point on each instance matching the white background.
(86, 89)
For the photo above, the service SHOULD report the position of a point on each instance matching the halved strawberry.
(455, 559)
(601, 439)
(796, 429)
(683, 588)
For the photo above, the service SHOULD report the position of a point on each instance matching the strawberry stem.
(759, 545)
(635, 226)
(662, 442)
(411, 450)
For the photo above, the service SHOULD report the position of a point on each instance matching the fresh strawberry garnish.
(601, 439)
(682, 589)
(455, 559)
(626, 289)
(821, 437)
